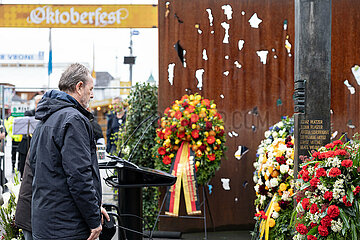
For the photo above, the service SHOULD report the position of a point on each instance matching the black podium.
(129, 179)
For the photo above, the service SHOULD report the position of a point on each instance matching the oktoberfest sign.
(78, 16)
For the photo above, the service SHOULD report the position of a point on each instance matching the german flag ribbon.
(264, 224)
(184, 169)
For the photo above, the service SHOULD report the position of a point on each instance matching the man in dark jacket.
(66, 198)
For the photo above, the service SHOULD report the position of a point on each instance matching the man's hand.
(104, 213)
(95, 233)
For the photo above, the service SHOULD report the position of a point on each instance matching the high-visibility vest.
(9, 123)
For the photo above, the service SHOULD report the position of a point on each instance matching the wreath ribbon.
(264, 224)
(184, 169)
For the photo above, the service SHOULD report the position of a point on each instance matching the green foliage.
(282, 229)
(142, 104)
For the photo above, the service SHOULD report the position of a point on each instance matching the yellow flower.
(198, 97)
(191, 97)
(282, 186)
(176, 107)
(197, 163)
(222, 127)
(208, 149)
(171, 155)
(271, 222)
(266, 177)
(203, 110)
(277, 207)
(271, 169)
(291, 191)
(213, 105)
(199, 143)
(193, 126)
(206, 134)
(218, 141)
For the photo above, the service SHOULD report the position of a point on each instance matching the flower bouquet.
(328, 197)
(195, 120)
(274, 182)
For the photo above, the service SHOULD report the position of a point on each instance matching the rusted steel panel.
(255, 96)
(345, 53)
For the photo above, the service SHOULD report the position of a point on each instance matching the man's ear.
(79, 86)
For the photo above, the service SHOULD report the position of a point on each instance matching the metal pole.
(131, 54)
(3, 141)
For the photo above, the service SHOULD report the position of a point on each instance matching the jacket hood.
(55, 100)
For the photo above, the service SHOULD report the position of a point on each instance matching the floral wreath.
(273, 174)
(193, 119)
(329, 199)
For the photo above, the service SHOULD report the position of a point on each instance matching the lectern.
(129, 179)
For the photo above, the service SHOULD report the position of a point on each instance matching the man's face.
(87, 93)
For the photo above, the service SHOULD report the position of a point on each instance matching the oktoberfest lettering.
(97, 17)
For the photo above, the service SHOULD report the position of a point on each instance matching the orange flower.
(190, 109)
(166, 110)
(206, 102)
(194, 118)
(210, 139)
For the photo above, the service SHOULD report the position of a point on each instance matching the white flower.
(336, 226)
(275, 134)
(255, 178)
(281, 132)
(267, 183)
(267, 134)
(275, 214)
(290, 162)
(291, 172)
(286, 196)
(284, 169)
(279, 125)
(268, 141)
(256, 188)
(274, 182)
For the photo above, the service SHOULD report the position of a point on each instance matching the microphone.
(140, 124)
(142, 136)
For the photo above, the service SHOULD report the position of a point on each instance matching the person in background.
(16, 139)
(66, 185)
(24, 144)
(116, 120)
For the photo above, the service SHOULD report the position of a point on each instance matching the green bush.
(142, 104)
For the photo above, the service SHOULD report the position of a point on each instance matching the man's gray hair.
(75, 73)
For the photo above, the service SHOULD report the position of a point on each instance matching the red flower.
(167, 111)
(314, 182)
(160, 134)
(346, 202)
(184, 122)
(356, 190)
(326, 221)
(347, 163)
(167, 132)
(261, 214)
(305, 175)
(333, 211)
(208, 126)
(328, 196)
(194, 118)
(210, 139)
(166, 160)
(161, 150)
(178, 115)
(206, 102)
(337, 142)
(180, 134)
(301, 228)
(305, 203)
(320, 172)
(281, 160)
(341, 152)
(218, 115)
(195, 134)
(211, 157)
(190, 109)
(323, 231)
(334, 172)
(316, 154)
(311, 237)
(330, 145)
(314, 208)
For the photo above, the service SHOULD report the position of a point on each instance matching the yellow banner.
(78, 16)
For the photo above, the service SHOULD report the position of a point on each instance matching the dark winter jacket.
(23, 206)
(66, 186)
